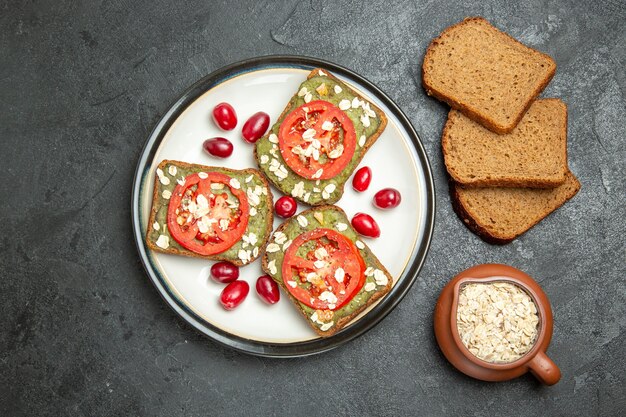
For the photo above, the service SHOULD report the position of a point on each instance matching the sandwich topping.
(323, 269)
(208, 212)
(317, 140)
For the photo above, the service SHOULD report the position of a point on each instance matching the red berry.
(224, 116)
(365, 225)
(267, 288)
(387, 198)
(362, 179)
(285, 206)
(224, 272)
(220, 147)
(234, 294)
(255, 127)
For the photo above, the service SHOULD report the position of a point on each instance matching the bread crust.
(473, 225)
(370, 141)
(344, 320)
(469, 221)
(521, 182)
(217, 256)
(476, 115)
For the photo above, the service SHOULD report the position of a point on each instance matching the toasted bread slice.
(320, 85)
(499, 215)
(260, 221)
(378, 280)
(533, 155)
(485, 73)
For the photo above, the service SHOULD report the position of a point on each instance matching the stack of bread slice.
(504, 149)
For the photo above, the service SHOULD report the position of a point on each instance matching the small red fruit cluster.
(237, 290)
(225, 118)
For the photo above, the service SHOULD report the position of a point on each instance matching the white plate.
(266, 84)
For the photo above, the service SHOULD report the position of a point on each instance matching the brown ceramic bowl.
(450, 343)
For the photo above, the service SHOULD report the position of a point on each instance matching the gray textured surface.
(84, 333)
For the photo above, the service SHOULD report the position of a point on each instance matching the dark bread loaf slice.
(499, 215)
(260, 221)
(485, 73)
(533, 155)
(378, 280)
(369, 122)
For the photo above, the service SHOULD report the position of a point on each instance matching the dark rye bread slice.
(261, 221)
(315, 188)
(485, 73)
(499, 215)
(332, 217)
(533, 155)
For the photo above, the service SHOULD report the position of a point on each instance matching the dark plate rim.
(294, 349)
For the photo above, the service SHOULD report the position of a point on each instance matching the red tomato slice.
(312, 261)
(317, 136)
(200, 217)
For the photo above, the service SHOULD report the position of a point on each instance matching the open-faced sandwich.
(327, 271)
(209, 212)
(319, 139)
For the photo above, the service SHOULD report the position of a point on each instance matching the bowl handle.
(544, 369)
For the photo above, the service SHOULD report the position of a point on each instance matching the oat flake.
(497, 322)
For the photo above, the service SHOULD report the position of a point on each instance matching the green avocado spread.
(377, 278)
(334, 91)
(169, 173)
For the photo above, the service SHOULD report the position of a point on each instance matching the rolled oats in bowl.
(497, 321)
